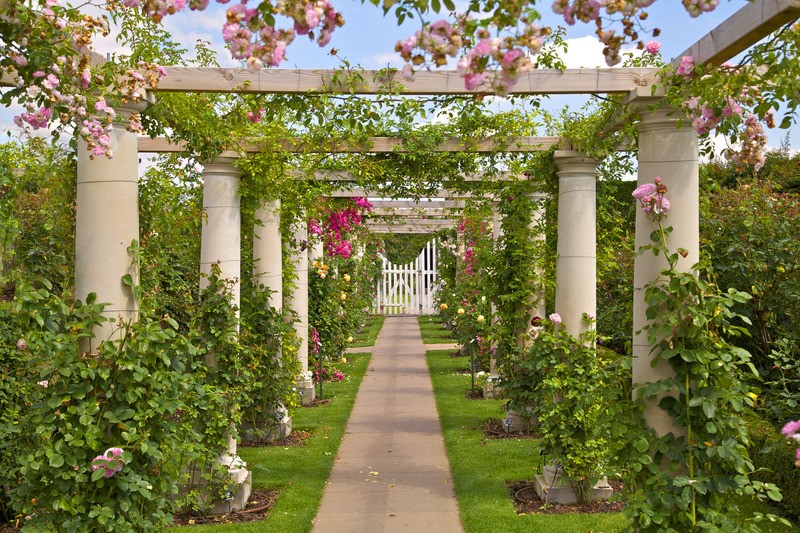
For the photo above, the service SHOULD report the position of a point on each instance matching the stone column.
(317, 251)
(268, 251)
(268, 271)
(535, 303)
(221, 238)
(106, 224)
(221, 243)
(671, 153)
(299, 305)
(576, 262)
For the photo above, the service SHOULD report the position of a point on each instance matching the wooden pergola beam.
(359, 192)
(741, 30)
(406, 228)
(305, 81)
(425, 203)
(413, 212)
(375, 145)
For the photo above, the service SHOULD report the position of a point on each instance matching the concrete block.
(554, 487)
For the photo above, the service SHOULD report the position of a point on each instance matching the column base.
(517, 422)
(554, 487)
(491, 388)
(239, 494)
(307, 392)
(276, 426)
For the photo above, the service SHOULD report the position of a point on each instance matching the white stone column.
(535, 303)
(672, 154)
(106, 224)
(221, 243)
(268, 271)
(268, 251)
(299, 305)
(317, 251)
(576, 262)
(221, 238)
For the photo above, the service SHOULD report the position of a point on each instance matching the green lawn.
(432, 331)
(481, 467)
(300, 472)
(369, 333)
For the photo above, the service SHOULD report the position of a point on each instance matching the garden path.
(391, 473)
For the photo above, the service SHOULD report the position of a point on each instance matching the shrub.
(773, 457)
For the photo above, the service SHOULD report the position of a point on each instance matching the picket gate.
(408, 289)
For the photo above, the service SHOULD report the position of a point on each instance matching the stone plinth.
(554, 487)
(307, 391)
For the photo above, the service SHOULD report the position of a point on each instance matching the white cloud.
(587, 52)
(387, 59)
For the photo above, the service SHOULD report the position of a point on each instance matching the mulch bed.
(526, 501)
(257, 508)
(295, 438)
(495, 429)
(317, 402)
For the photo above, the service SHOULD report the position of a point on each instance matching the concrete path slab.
(391, 474)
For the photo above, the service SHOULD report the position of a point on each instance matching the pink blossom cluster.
(686, 68)
(110, 462)
(249, 33)
(56, 90)
(792, 431)
(588, 11)
(652, 47)
(314, 343)
(470, 259)
(337, 225)
(698, 7)
(706, 118)
(314, 227)
(440, 39)
(754, 141)
(363, 203)
(651, 197)
(513, 62)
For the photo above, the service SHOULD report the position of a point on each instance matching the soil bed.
(295, 438)
(257, 508)
(526, 501)
(495, 429)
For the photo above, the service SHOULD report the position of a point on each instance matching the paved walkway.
(391, 473)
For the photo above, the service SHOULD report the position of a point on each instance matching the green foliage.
(37, 219)
(772, 457)
(685, 480)
(753, 232)
(139, 393)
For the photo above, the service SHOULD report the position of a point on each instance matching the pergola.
(107, 189)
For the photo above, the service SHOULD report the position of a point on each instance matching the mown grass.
(481, 467)
(369, 333)
(300, 472)
(432, 331)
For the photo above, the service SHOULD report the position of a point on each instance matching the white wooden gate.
(408, 289)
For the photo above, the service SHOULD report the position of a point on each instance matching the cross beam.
(373, 145)
(741, 30)
(305, 81)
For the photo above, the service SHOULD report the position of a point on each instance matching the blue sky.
(368, 38)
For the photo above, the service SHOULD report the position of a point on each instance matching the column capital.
(224, 163)
(572, 164)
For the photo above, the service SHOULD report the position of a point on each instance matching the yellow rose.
(460, 311)
(481, 319)
(443, 307)
(347, 278)
(343, 296)
(344, 359)
(349, 339)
